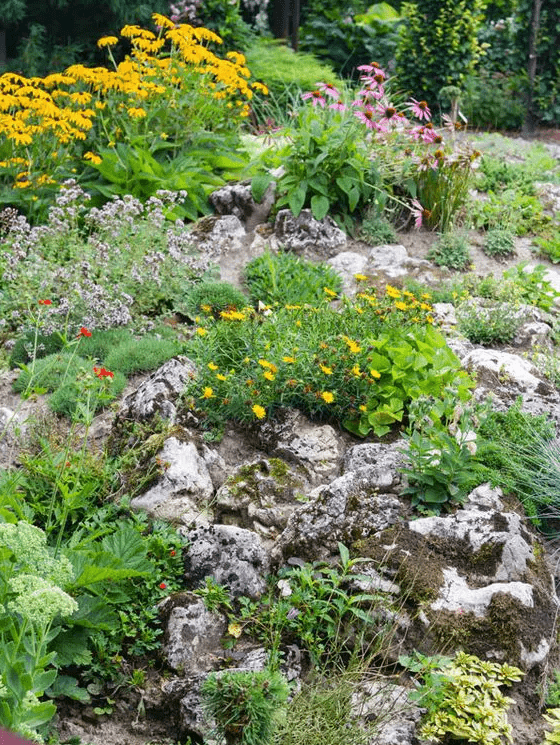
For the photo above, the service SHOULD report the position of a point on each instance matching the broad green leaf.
(319, 206)
(259, 185)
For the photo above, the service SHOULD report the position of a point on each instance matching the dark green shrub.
(496, 174)
(212, 297)
(499, 243)
(141, 355)
(376, 230)
(438, 45)
(288, 280)
(493, 100)
(451, 250)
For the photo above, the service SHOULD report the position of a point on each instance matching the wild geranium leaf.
(259, 185)
(66, 685)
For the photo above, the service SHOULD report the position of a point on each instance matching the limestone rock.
(233, 556)
(354, 506)
(299, 234)
(184, 491)
(394, 261)
(348, 264)
(237, 199)
(193, 634)
(316, 449)
(158, 393)
(215, 235)
(260, 496)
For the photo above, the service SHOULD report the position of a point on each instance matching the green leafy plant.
(487, 324)
(376, 229)
(532, 285)
(244, 704)
(313, 606)
(425, 26)
(522, 213)
(287, 279)
(441, 442)
(552, 716)
(451, 250)
(463, 698)
(499, 243)
(548, 245)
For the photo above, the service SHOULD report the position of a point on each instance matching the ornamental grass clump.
(360, 364)
(245, 704)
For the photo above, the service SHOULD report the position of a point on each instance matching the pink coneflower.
(367, 93)
(367, 116)
(417, 212)
(328, 89)
(338, 106)
(420, 109)
(389, 115)
(315, 97)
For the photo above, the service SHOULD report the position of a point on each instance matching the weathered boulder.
(358, 504)
(193, 634)
(214, 235)
(316, 449)
(184, 491)
(233, 556)
(158, 393)
(237, 199)
(477, 579)
(260, 496)
(303, 233)
(348, 264)
(505, 377)
(394, 261)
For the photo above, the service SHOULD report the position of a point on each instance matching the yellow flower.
(400, 305)
(363, 407)
(162, 21)
(326, 370)
(392, 292)
(259, 411)
(208, 392)
(356, 371)
(360, 277)
(353, 346)
(136, 113)
(232, 315)
(268, 365)
(107, 41)
(329, 292)
(289, 360)
(425, 306)
(375, 374)
(327, 397)
(234, 629)
(269, 376)
(221, 377)
(212, 366)
(201, 331)
(164, 135)
(95, 159)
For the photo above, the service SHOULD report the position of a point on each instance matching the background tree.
(438, 46)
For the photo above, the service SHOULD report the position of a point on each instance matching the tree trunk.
(530, 122)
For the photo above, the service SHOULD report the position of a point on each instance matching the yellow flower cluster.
(59, 111)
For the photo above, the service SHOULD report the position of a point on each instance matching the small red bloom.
(84, 332)
(162, 586)
(45, 302)
(101, 372)
(172, 553)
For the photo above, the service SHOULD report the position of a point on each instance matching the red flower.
(172, 553)
(162, 586)
(45, 302)
(84, 332)
(101, 372)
